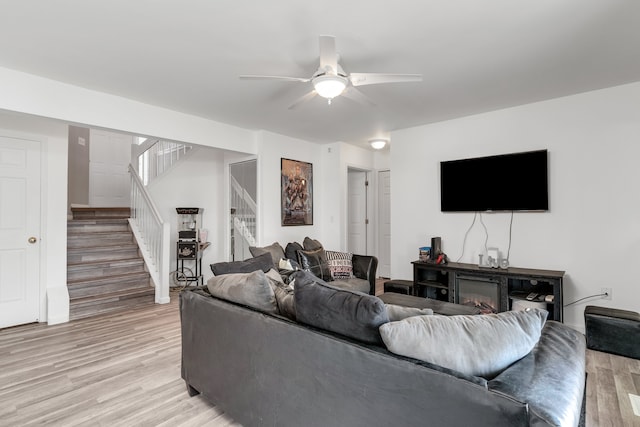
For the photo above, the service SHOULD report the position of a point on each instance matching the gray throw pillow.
(353, 314)
(261, 262)
(400, 312)
(250, 289)
(276, 251)
(475, 345)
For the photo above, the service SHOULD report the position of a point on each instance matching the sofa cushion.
(340, 264)
(276, 251)
(316, 262)
(355, 284)
(400, 312)
(353, 314)
(291, 251)
(250, 289)
(474, 345)
(310, 244)
(261, 262)
(283, 294)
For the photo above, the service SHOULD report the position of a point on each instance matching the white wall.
(591, 231)
(54, 298)
(330, 164)
(273, 147)
(31, 94)
(382, 159)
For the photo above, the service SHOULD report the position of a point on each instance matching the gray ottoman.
(613, 331)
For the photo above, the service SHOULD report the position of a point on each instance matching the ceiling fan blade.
(307, 97)
(355, 95)
(328, 56)
(285, 78)
(361, 79)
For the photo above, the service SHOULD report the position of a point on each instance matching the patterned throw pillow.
(340, 264)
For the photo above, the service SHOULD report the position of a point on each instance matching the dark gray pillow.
(261, 262)
(276, 251)
(353, 314)
(310, 244)
(291, 251)
(316, 262)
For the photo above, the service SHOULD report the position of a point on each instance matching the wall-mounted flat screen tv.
(507, 182)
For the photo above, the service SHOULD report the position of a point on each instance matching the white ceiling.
(186, 55)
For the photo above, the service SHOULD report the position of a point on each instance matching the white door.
(109, 158)
(384, 224)
(19, 231)
(357, 212)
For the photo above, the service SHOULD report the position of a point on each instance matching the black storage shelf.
(515, 283)
(432, 284)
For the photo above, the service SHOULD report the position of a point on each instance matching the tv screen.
(507, 182)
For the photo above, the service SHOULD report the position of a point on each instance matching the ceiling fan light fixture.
(329, 86)
(378, 144)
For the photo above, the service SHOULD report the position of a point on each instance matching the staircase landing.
(105, 272)
(102, 213)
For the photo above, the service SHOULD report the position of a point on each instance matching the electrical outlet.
(606, 291)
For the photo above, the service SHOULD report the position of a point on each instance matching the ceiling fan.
(330, 80)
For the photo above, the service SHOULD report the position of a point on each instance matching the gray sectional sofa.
(265, 369)
(310, 255)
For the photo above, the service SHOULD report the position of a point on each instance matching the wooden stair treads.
(105, 272)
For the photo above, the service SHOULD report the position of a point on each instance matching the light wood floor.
(124, 370)
(115, 370)
(610, 379)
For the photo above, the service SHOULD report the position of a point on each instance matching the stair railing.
(158, 157)
(152, 234)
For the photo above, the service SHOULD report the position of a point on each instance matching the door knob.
(32, 240)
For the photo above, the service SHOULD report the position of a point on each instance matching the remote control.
(532, 296)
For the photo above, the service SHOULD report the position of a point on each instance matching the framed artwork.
(296, 182)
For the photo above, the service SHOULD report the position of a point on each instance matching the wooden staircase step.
(76, 226)
(113, 238)
(97, 212)
(101, 253)
(111, 302)
(108, 284)
(86, 270)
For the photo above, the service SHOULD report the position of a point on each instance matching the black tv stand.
(441, 282)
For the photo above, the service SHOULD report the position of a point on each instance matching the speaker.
(436, 247)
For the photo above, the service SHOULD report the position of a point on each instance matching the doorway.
(243, 208)
(19, 231)
(384, 223)
(357, 211)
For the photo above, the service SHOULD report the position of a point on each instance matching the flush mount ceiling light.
(329, 85)
(378, 144)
